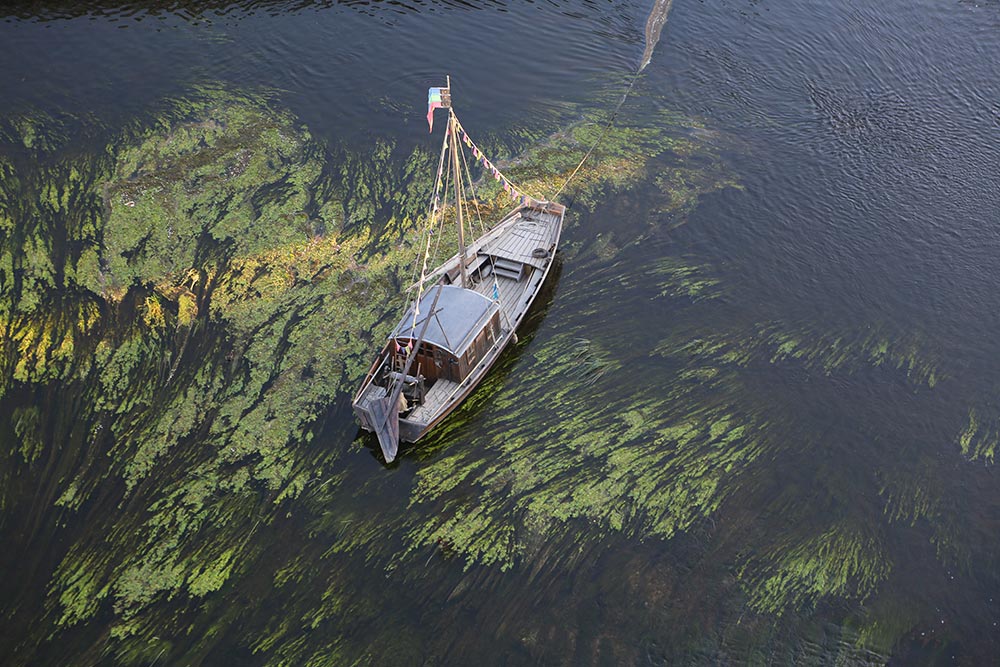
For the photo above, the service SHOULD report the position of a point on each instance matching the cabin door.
(425, 362)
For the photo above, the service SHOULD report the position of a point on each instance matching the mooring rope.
(607, 126)
(517, 191)
(654, 24)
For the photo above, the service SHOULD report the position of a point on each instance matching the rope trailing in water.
(654, 25)
(611, 121)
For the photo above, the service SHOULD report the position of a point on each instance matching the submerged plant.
(978, 441)
(175, 359)
(207, 287)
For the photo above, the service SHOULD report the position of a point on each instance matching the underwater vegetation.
(977, 440)
(202, 308)
(187, 307)
(202, 288)
(705, 433)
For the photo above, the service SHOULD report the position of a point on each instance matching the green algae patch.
(477, 533)
(685, 185)
(685, 279)
(227, 279)
(843, 561)
(240, 176)
(211, 578)
(911, 497)
(880, 626)
(28, 429)
(80, 595)
(625, 155)
(978, 441)
(817, 350)
(626, 463)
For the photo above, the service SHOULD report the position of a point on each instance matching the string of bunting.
(508, 187)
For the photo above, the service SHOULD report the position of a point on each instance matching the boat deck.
(533, 230)
(511, 292)
(517, 243)
(513, 257)
(434, 400)
(372, 394)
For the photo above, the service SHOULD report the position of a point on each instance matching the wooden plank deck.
(434, 400)
(511, 291)
(373, 393)
(525, 235)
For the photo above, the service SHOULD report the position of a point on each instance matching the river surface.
(786, 461)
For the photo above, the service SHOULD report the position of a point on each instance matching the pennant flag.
(434, 101)
(496, 173)
(396, 343)
(496, 292)
(506, 186)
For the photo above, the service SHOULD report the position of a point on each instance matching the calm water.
(864, 139)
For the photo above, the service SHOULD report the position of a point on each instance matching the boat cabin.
(463, 327)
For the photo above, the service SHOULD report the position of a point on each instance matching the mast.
(456, 176)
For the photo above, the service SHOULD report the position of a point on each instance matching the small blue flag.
(496, 292)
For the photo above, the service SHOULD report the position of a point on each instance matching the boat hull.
(509, 263)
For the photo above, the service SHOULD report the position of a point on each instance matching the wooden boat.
(465, 311)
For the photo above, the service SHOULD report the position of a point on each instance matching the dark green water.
(753, 419)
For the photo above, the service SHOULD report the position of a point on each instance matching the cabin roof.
(459, 316)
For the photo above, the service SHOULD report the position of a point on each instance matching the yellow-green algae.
(225, 285)
(214, 319)
(977, 441)
(844, 561)
(208, 236)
